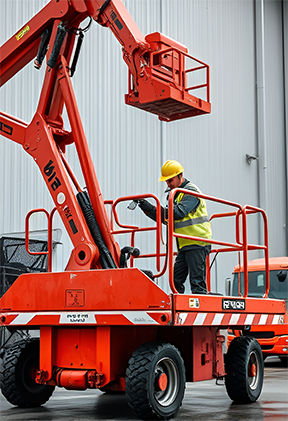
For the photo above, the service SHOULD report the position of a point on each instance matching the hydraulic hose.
(45, 37)
(106, 259)
(60, 36)
(76, 55)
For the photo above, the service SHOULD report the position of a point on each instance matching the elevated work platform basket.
(166, 84)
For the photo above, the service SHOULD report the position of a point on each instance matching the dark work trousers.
(192, 261)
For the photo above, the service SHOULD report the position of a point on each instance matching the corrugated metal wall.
(275, 100)
(128, 146)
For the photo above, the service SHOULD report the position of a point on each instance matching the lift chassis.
(102, 324)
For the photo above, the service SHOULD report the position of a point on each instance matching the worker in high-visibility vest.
(190, 218)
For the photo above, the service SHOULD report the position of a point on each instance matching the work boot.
(199, 291)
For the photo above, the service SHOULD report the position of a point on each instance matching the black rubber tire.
(17, 385)
(242, 385)
(146, 365)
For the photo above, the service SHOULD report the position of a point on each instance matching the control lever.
(126, 252)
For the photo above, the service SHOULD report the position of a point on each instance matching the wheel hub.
(253, 370)
(162, 381)
(166, 382)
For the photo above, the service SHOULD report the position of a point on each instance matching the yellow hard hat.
(170, 169)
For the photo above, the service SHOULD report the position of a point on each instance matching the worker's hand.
(145, 206)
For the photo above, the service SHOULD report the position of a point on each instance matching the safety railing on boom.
(178, 75)
(165, 86)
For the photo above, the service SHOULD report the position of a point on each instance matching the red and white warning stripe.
(84, 317)
(227, 319)
(138, 318)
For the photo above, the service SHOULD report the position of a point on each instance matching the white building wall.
(128, 146)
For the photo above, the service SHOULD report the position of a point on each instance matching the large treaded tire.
(17, 366)
(144, 394)
(245, 370)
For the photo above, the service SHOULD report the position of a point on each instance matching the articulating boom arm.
(157, 83)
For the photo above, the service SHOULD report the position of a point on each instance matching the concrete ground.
(202, 401)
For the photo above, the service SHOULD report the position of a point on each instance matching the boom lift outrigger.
(93, 320)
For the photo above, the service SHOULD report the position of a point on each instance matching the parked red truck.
(273, 339)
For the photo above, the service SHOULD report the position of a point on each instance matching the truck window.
(260, 280)
(256, 285)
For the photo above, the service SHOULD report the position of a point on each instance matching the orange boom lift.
(102, 324)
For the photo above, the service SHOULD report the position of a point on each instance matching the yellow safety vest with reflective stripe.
(195, 223)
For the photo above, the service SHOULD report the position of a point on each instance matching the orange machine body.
(93, 315)
(92, 321)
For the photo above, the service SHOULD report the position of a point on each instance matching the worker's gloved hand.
(145, 206)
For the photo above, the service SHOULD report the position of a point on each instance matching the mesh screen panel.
(15, 260)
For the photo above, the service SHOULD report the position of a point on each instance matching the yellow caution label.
(22, 32)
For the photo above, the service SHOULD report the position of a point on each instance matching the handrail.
(133, 229)
(253, 209)
(182, 71)
(240, 245)
(50, 236)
